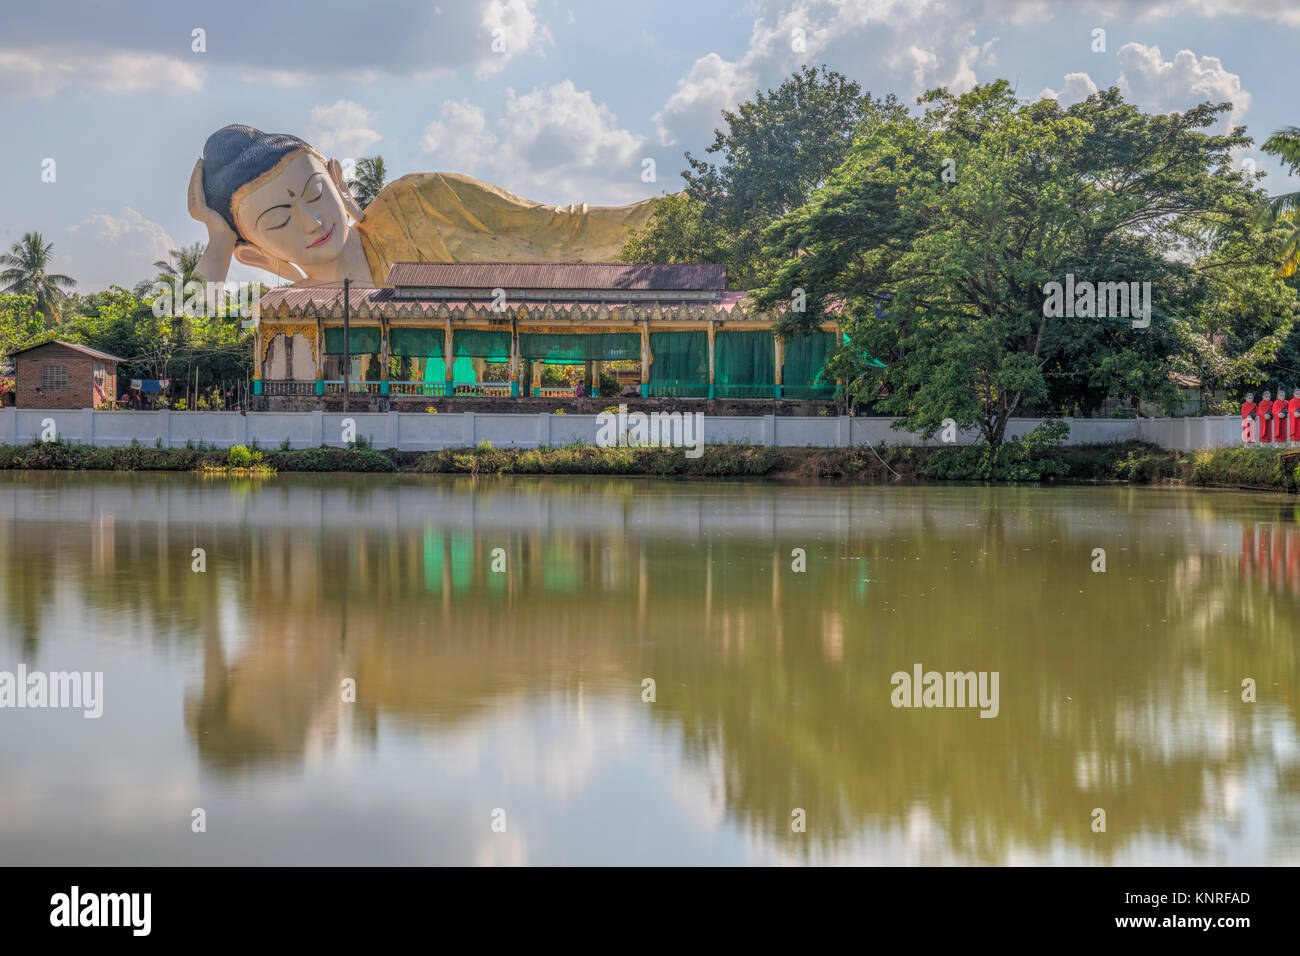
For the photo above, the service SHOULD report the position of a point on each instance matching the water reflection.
(522, 689)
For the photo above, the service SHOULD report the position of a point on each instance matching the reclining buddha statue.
(274, 203)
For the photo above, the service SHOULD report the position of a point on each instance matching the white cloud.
(343, 129)
(1283, 11)
(552, 145)
(1162, 85)
(916, 43)
(111, 249)
(43, 71)
(460, 139)
(511, 29)
(1078, 87)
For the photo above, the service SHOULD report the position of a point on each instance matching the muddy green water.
(516, 697)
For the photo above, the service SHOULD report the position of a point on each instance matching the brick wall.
(80, 392)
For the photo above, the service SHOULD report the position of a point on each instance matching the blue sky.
(566, 107)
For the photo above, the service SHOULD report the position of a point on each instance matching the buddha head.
(1250, 396)
(282, 200)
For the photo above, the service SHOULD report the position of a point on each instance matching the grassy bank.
(1134, 462)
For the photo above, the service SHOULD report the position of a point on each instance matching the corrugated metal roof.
(328, 300)
(650, 277)
(84, 350)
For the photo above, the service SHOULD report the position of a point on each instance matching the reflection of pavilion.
(436, 327)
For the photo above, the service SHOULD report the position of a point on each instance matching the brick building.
(63, 375)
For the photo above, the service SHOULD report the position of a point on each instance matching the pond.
(435, 670)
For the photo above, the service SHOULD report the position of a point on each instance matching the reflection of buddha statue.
(273, 203)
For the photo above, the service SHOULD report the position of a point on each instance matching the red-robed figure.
(1265, 412)
(1249, 420)
(1281, 412)
(1293, 412)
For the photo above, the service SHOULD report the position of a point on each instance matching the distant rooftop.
(545, 279)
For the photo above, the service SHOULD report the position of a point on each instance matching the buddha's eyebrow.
(272, 209)
(309, 179)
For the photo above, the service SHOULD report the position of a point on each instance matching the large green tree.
(27, 272)
(935, 241)
(1285, 143)
(772, 152)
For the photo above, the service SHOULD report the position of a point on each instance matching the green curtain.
(804, 357)
(362, 340)
(681, 364)
(574, 348)
(490, 344)
(416, 343)
(744, 364)
(462, 370)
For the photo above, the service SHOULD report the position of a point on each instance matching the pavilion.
(434, 328)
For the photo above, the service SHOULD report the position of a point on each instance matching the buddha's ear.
(251, 255)
(349, 203)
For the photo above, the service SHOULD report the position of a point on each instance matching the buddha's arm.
(443, 217)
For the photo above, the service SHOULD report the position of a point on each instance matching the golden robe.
(446, 217)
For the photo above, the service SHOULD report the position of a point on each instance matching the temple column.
(257, 359)
(515, 364)
(320, 359)
(535, 368)
(780, 361)
(449, 359)
(713, 329)
(646, 359)
(383, 363)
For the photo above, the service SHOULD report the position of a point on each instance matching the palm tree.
(1286, 208)
(186, 259)
(25, 274)
(369, 178)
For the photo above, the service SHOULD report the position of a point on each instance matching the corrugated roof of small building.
(85, 350)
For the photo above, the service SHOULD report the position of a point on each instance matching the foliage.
(370, 177)
(26, 272)
(944, 275)
(241, 457)
(1285, 209)
(774, 151)
(1242, 468)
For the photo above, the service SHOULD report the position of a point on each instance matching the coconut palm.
(1286, 208)
(369, 178)
(186, 260)
(26, 272)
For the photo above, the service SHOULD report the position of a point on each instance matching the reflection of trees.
(1112, 686)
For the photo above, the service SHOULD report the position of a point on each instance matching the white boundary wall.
(414, 431)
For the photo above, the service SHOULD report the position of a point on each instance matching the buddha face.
(295, 213)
